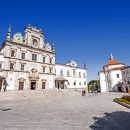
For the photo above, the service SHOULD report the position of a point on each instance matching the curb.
(121, 103)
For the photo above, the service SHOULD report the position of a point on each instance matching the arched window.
(11, 66)
(35, 42)
(12, 53)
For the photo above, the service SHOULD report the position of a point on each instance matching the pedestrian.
(84, 92)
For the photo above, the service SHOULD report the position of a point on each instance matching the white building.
(110, 76)
(28, 62)
(70, 75)
(126, 79)
(1, 70)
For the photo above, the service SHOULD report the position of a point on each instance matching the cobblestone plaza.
(59, 111)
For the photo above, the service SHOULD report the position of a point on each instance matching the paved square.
(94, 111)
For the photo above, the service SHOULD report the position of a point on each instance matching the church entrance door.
(33, 85)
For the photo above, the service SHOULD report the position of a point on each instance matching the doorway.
(21, 85)
(119, 89)
(33, 85)
(43, 85)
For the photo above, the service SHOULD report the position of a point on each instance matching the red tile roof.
(113, 62)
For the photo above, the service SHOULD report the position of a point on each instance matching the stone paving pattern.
(61, 110)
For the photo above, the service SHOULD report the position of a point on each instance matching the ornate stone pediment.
(34, 75)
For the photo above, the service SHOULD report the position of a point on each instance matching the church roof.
(113, 61)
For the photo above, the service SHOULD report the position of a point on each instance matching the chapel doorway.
(33, 85)
(119, 89)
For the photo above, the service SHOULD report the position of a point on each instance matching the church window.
(44, 59)
(84, 75)
(22, 66)
(44, 68)
(61, 72)
(74, 83)
(50, 70)
(11, 66)
(74, 72)
(127, 72)
(12, 53)
(23, 55)
(50, 60)
(68, 73)
(79, 74)
(35, 42)
(34, 57)
(117, 75)
(84, 82)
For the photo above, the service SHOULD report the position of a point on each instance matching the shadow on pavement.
(118, 120)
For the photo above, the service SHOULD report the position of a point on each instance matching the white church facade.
(27, 62)
(110, 77)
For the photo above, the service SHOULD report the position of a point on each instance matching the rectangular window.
(23, 55)
(44, 69)
(123, 72)
(50, 60)
(74, 72)
(22, 66)
(84, 82)
(34, 57)
(117, 75)
(11, 66)
(68, 83)
(61, 72)
(79, 83)
(84, 75)
(51, 69)
(68, 73)
(44, 59)
(74, 83)
(79, 74)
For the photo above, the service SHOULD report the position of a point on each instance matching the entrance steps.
(48, 93)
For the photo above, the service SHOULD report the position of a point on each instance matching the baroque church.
(28, 63)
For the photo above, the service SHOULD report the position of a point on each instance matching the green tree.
(93, 85)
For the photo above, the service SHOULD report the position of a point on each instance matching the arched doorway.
(34, 77)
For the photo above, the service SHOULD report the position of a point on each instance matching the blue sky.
(81, 29)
